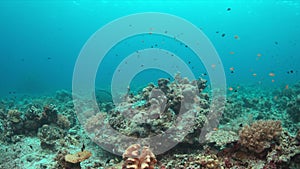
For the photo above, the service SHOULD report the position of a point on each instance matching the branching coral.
(136, 159)
(260, 135)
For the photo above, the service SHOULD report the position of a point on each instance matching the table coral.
(71, 161)
(221, 137)
(78, 157)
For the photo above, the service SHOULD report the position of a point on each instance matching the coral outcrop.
(73, 160)
(197, 161)
(65, 160)
(221, 137)
(49, 135)
(153, 111)
(136, 158)
(293, 108)
(260, 135)
(33, 129)
(14, 123)
(287, 148)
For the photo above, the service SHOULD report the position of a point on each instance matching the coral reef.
(221, 137)
(193, 160)
(293, 108)
(60, 159)
(134, 158)
(32, 119)
(14, 123)
(259, 129)
(287, 148)
(154, 111)
(63, 122)
(73, 160)
(49, 135)
(260, 135)
(209, 162)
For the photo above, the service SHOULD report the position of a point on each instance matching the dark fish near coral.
(83, 147)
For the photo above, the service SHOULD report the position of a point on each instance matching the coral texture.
(260, 135)
(293, 108)
(135, 158)
(287, 148)
(49, 135)
(152, 112)
(71, 161)
(193, 161)
(221, 137)
(78, 157)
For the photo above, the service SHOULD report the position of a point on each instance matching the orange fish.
(231, 69)
(231, 52)
(286, 87)
(271, 74)
(230, 88)
(254, 74)
(273, 80)
(258, 55)
(236, 37)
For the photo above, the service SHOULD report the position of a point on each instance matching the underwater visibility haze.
(150, 84)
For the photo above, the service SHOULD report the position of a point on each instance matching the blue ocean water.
(43, 119)
(257, 41)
